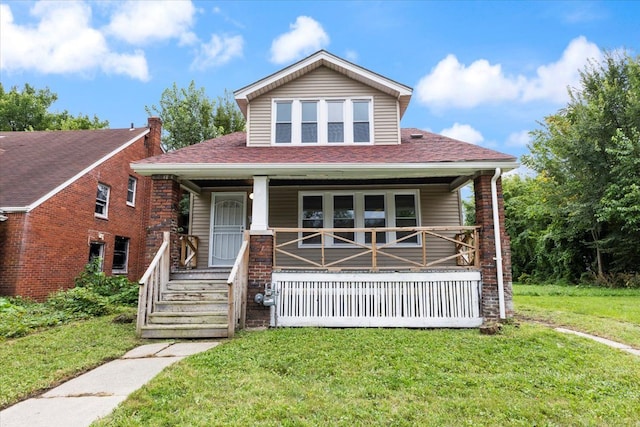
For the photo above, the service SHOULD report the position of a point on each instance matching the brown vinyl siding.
(325, 83)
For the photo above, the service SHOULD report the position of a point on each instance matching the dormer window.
(322, 121)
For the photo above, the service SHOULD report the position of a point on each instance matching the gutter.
(498, 242)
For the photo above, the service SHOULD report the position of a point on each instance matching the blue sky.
(483, 72)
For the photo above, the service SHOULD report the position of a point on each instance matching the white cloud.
(218, 51)
(306, 36)
(452, 84)
(551, 80)
(143, 22)
(351, 56)
(62, 42)
(464, 133)
(518, 139)
(523, 171)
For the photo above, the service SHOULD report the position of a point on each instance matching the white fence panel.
(410, 300)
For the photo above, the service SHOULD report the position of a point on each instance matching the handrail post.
(374, 253)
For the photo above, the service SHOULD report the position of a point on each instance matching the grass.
(527, 375)
(609, 313)
(41, 360)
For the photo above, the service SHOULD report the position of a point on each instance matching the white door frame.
(243, 196)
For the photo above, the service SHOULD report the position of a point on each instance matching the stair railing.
(156, 275)
(237, 282)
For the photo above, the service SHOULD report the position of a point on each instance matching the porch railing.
(237, 281)
(188, 251)
(156, 275)
(398, 248)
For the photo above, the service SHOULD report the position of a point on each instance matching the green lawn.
(43, 359)
(527, 375)
(609, 313)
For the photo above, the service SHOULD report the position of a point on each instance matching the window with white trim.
(360, 209)
(131, 191)
(102, 201)
(322, 121)
(120, 255)
(96, 251)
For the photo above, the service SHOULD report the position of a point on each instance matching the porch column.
(484, 217)
(260, 206)
(260, 268)
(163, 216)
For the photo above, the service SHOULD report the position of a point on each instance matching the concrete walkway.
(614, 344)
(96, 393)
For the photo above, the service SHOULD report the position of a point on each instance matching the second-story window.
(283, 122)
(322, 121)
(131, 191)
(102, 201)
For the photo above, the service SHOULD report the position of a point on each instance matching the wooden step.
(190, 306)
(214, 296)
(185, 331)
(207, 274)
(197, 285)
(189, 318)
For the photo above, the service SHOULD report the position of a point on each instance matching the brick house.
(325, 212)
(68, 196)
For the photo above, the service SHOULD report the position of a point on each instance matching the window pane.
(120, 253)
(343, 216)
(310, 111)
(309, 132)
(102, 198)
(335, 132)
(131, 190)
(312, 216)
(406, 216)
(361, 132)
(335, 111)
(283, 132)
(283, 112)
(374, 216)
(360, 111)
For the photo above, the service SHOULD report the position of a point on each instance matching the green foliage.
(28, 110)
(79, 303)
(587, 157)
(117, 290)
(189, 116)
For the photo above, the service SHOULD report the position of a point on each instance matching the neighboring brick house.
(350, 220)
(68, 196)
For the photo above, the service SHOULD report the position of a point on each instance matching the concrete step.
(215, 296)
(190, 306)
(185, 331)
(197, 285)
(181, 318)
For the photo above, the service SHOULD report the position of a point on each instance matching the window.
(361, 121)
(131, 191)
(96, 251)
(120, 255)
(283, 122)
(102, 201)
(309, 130)
(323, 121)
(363, 209)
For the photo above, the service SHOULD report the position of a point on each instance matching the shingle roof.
(34, 163)
(232, 149)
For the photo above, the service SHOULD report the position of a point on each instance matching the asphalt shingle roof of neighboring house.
(430, 148)
(32, 164)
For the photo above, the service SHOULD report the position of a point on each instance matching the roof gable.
(36, 165)
(323, 58)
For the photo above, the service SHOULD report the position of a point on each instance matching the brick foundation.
(484, 218)
(260, 268)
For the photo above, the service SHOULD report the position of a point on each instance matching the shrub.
(117, 289)
(79, 302)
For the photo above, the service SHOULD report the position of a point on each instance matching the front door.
(228, 213)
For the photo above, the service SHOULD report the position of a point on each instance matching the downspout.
(498, 242)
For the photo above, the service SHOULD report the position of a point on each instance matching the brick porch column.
(484, 217)
(260, 267)
(163, 216)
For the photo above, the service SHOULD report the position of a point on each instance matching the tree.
(29, 110)
(190, 117)
(588, 152)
